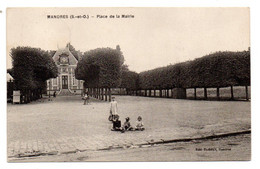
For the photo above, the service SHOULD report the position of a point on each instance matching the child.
(86, 98)
(113, 108)
(116, 124)
(127, 125)
(139, 124)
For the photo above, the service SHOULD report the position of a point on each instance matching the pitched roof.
(72, 59)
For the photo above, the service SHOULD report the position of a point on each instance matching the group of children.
(127, 126)
(117, 123)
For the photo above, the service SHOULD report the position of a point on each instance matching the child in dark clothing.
(127, 125)
(116, 124)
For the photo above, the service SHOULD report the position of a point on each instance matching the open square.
(65, 125)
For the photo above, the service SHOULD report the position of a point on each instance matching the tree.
(128, 79)
(100, 68)
(31, 68)
(76, 53)
(220, 69)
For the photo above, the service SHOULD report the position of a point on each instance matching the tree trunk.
(160, 92)
(247, 98)
(232, 94)
(205, 93)
(99, 90)
(109, 91)
(195, 93)
(105, 94)
(145, 92)
(218, 93)
(99, 93)
(167, 93)
(30, 95)
(102, 93)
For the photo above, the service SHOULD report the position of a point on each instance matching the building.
(65, 83)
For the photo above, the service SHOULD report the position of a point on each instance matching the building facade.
(66, 82)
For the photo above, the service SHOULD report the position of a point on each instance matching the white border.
(255, 28)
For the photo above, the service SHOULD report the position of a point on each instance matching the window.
(64, 70)
(74, 81)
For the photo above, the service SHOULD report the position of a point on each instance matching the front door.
(64, 82)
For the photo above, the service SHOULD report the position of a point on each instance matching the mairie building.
(66, 82)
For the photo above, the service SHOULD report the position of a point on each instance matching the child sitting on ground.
(127, 125)
(139, 124)
(116, 124)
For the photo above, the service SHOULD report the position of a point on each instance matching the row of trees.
(100, 69)
(31, 68)
(129, 80)
(103, 68)
(220, 69)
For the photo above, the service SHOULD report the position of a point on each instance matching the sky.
(154, 37)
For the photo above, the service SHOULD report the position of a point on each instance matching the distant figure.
(54, 94)
(113, 107)
(127, 125)
(86, 98)
(139, 124)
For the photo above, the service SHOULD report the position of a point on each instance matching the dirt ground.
(65, 125)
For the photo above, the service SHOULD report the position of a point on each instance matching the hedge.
(220, 69)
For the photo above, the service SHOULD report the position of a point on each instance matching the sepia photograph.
(128, 84)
